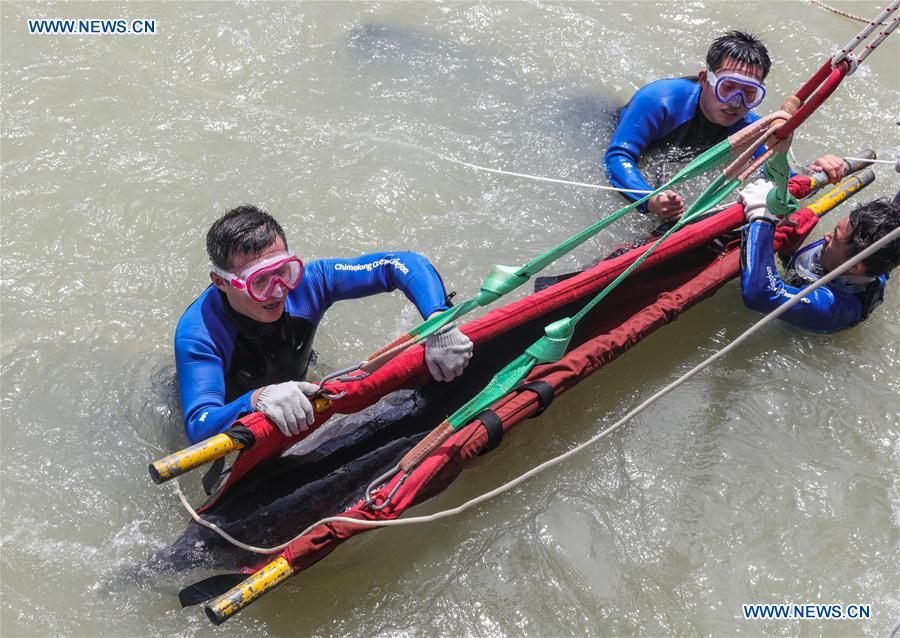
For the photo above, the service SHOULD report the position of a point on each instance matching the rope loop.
(850, 57)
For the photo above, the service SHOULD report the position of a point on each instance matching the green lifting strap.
(702, 163)
(779, 201)
(549, 348)
(553, 345)
(714, 193)
(504, 279)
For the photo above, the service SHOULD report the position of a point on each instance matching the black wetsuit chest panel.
(697, 133)
(870, 298)
(266, 353)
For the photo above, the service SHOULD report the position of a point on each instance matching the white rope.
(228, 537)
(894, 629)
(414, 520)
(866, 32)
(839, 12)
(865, 159)
(498, 171)
(881, 37)
(542, 179)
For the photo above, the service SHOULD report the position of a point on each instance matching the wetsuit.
(222, 356)
(663, 113)
(835, 306)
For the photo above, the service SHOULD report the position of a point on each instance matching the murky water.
(772, 477)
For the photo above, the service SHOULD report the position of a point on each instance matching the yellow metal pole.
(194, 456)
(228, 604)
(206, 451)
(842, 192)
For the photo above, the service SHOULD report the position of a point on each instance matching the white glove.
(754, 200)
(288, 406)
(447, 353)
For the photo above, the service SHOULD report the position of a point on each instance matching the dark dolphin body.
(282, 496)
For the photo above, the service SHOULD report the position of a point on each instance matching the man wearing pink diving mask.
(245, 343)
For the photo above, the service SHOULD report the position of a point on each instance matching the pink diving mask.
(260, 279)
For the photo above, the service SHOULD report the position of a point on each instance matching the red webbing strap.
(813, 83)
(826, 88)
(789, 237)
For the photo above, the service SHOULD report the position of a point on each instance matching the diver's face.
(265, 311)
(838, 249)
(725, 114)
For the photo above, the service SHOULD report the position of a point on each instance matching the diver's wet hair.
(740, 46)
(245, 230)
(870, 222)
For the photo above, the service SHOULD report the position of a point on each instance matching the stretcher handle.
(843, 191)
(207, 451)
(818, 180)
(859, 160)
(220, 609)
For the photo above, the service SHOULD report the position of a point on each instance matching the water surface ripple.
(772, 477)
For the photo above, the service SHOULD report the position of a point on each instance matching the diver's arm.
(201, 384)
(640, 123)
(763, 289)
(333, 280)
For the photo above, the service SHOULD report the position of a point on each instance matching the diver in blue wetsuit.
(245, 343)
(696, 112)
(844, 302)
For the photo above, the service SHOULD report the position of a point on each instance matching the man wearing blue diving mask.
(696, 112)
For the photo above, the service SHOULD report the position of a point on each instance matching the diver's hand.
(832, 165)
(447, 353)
(668, 205)
(754, 199)
(288, 406)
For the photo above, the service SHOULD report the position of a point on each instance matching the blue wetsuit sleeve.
(824, 310)
(337, 279)
(640, 123)
(201, 383)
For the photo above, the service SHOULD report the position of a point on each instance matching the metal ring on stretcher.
(370, 498)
